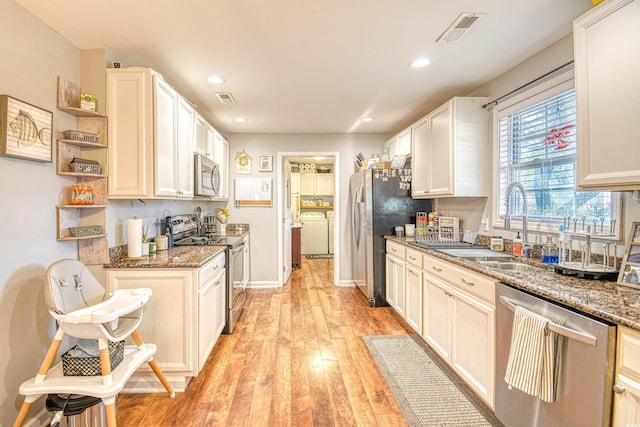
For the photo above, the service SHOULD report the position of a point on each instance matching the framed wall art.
(243, 163)
(266, 163)
(630, 270)
(25, 130)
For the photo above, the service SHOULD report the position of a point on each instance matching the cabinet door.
(184, 149)
(203, 142)
(307, 184)
(626, 402)
(420, 158)
(440, 164)
(169, 316)
(413, 292)
(403, 142)
(130, 153)
(165, 120)
(324, 184)
(295, 183)
(437, 317)
(206, 323)
(607, 50)
(220, 303)
(390, 280)
(473, 351)
(221, 157)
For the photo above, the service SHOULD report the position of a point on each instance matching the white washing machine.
(330, 226)
(314, 233)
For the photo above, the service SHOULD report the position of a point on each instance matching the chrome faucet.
(507, 217)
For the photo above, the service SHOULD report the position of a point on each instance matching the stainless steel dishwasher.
(587, 366)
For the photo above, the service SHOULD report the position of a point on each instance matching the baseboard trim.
(347, 283)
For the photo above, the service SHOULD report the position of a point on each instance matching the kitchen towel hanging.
(134, 237)
(534, 357)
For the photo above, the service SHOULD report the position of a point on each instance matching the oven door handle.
(238, 306)
(562, 330)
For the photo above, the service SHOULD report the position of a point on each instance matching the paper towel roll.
(134, 238)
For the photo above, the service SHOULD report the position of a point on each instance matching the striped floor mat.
(426, 389)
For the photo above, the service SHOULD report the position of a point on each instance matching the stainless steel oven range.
(184, 229)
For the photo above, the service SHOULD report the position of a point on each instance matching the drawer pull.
(436, 268)
(467, 283)
(412, 258)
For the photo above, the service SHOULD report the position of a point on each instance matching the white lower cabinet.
(413, 303)
(180, 319)
(473, 349)
(459, 322)
(451, 307)
(626, 403)
(219, 303)
(438, 316)
(206, 323)
(395, 283)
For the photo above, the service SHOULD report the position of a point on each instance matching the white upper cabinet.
(400, 144)
(203, 142)
(221, 157)
(151, 149)
(130, 128)
(184, 149)
(165, 129)
(450, 149)
(316, 184)
(607, 65)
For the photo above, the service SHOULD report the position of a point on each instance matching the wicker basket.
(79, 165)
(87, 230)
(80, 136)
(75, 366)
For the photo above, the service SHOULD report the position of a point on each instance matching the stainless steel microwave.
(207, 176)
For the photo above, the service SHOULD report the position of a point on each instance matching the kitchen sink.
(474, 253)
(516, 267)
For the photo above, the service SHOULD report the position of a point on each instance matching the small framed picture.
(266, 163)
(25, 130)
(630, 270)
(398, 161)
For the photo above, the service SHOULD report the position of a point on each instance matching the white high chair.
(82, 309)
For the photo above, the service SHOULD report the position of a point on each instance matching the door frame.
(336, 209)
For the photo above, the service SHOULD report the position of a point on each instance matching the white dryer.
(314, 233)
(330, 226)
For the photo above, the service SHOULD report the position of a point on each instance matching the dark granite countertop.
(178, 257)
(602, 299)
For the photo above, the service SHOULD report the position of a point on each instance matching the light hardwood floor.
(296, 359)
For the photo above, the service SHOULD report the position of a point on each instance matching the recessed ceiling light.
(216, 80)
(419, 63)
(366, 119)
(240, 120)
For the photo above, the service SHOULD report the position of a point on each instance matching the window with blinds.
(537, 147)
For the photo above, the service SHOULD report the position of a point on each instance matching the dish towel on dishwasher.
(534, 357)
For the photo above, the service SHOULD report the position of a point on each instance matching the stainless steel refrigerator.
(380, 201)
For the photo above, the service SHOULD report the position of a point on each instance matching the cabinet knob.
(619, 388)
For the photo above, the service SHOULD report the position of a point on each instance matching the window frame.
(543, 91)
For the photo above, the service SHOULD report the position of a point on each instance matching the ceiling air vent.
(225, 98)
(459, 27)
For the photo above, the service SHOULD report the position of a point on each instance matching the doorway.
(321, 170)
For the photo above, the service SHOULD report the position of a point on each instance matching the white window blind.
(537, 147)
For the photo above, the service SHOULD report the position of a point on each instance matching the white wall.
(263, 220)
(32, 56)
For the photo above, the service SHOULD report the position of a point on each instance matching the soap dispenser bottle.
(516, 246)
(549, 252)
